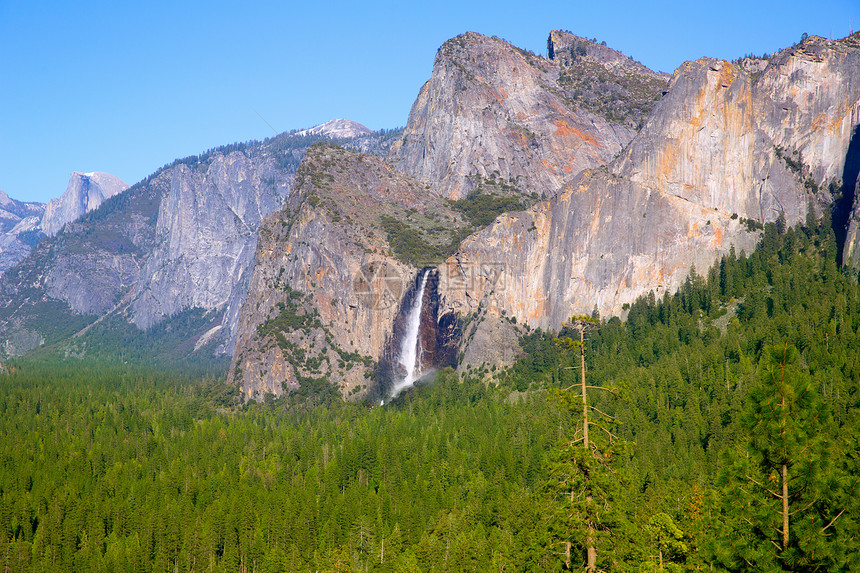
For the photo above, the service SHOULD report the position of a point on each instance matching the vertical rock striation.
(178, 244)
(438, 335)
(206, 234)
(183, 238)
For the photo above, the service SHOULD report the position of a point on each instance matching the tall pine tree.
(786, 497)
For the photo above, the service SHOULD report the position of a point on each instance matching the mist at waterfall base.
(422, 341)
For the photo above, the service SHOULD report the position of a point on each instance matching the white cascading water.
(410, 352)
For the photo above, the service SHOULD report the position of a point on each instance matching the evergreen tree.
(786, 503)
(587, 507)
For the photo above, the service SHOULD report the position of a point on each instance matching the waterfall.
(410, 347)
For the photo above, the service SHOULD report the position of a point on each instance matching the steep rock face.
(704, 144)
(85, 192)
(175, 248)
(721, 147)
(327, 282)
(67, 280)
(600, 243)
(13, 212)
(438, 334)
(206, 236)
(143, 255)
(749, 146)
(22, 225)
(19, 229)
(490, 109)
(808, 103)
(17, 242)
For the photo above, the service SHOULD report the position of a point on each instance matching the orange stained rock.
(727, 74)
(537, 310)
(718, 236)
(564, 129)
(699, 108)
(838, 118)
(548, 164)
(693, 231)
(667, 158)
(520, 137)
(818, 121)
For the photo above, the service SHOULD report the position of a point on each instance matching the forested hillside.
(743, 382)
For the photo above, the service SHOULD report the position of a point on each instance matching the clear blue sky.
(126, 87)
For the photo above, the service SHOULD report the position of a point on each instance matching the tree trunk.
(584, 398)
(784, 506)
(590, 549)
(784, 477)
(567, 544)
(592, 553)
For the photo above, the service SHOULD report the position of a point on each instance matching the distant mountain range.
(23, 224)
(177, 246)
(524, 189)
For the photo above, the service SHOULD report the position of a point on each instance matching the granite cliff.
(491, 109)
(615, 181)
(181, 241)
(331, 270)
(722, 152)
(697, 165)
(85, 192)
(19, 229)
(22, 225)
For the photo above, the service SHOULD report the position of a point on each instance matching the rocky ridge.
(493, 110)
(723, 152)
(604, 81)
(22, 225)
(182, 240)
(338, 129)
(725, 149)
(19, 229)
(641, 180)
(329, 274)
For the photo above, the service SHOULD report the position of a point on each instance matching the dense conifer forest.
(725, 442)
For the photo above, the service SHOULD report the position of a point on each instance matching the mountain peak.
(85, 192)
(567, 48)
(338, 129)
